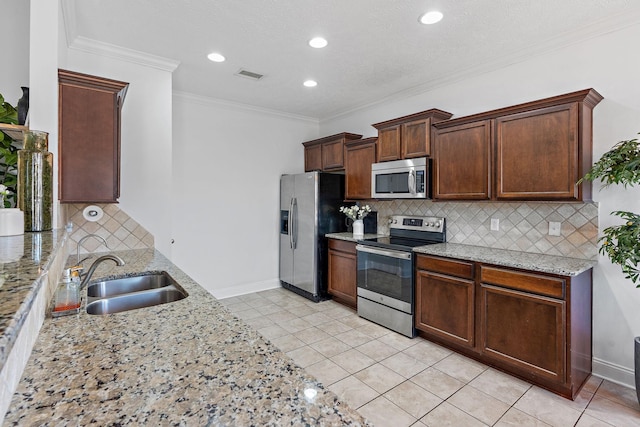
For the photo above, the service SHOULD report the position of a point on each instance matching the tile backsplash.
(524, 226)
(120, 231)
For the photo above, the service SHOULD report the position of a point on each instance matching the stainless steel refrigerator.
(309, 209)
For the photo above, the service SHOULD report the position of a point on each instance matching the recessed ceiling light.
(216, 57)
(318, 42)
(310, 83)
(431, 17)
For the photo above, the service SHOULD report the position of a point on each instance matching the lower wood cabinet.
(445, 295)
(342, 275)
(533, 325)
(524, 330)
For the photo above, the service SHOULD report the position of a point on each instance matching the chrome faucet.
(95, 265)
(78, 262)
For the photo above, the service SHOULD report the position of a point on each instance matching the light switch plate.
(495, 224)
(554, 228)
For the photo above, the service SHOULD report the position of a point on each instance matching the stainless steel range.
(385, 271)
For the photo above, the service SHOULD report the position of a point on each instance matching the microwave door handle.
(412, 181)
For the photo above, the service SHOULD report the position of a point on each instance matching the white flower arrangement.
(4, 191)
(356, 212)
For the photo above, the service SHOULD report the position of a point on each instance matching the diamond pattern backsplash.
(523, 226)
(119, 230)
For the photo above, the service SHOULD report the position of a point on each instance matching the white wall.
(145, 185)
(606, 63)
(227, 162)
(14, 72)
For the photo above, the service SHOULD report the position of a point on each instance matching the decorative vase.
(35, 181)
(23, 106)
(11, 222)
(358, 228)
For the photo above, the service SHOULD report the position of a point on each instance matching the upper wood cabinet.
(532, 151)
(359, 156)
(463, 162)
(89, 137)
(409, 136)
(326, 154)
(537, 154)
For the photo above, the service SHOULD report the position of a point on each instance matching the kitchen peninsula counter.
(188, 362)
(564, 266)
(24, 259)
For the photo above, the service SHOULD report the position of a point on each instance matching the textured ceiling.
(377, 49)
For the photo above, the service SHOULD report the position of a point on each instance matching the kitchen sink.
(130, 293)
(132, 301)
(125, 285)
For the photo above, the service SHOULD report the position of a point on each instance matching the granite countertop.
(348, 236)
(560, 265)
(23, 259)
(188, 362)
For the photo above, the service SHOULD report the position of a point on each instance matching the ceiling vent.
(249, 75)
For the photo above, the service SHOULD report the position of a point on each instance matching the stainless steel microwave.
(401, 179)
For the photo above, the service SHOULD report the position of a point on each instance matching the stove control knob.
(438, 224)
(430, 224)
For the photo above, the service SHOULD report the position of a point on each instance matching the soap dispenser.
(67, 296)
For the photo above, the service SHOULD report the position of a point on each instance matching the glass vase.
(35, 181)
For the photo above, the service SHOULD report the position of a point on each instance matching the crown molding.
(205, 100)
(84, 44)
(69, 19)
(128, 55)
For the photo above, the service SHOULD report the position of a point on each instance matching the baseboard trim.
(614, 373)
(247, 288)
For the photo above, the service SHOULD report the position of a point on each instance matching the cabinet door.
(445, 307)
(333, 155)
(358, 161)
(313, 158)
(537, 154)
(462, 162)
(524, 330)
(89, 126)
(416, 138)
(389, 143)
(342, 269)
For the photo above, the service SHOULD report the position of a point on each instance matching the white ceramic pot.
(358, 228)
(11, 222)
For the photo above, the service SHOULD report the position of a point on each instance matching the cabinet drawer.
(446, 266)
(342, 245)
(528, 282)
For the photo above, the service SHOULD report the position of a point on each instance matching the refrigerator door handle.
(290, 223)
(294, 222)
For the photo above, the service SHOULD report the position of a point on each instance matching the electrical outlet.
(554, 228)
(495, 224)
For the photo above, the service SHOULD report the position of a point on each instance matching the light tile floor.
(396, 381)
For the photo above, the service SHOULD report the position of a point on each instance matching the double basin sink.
(130, 293)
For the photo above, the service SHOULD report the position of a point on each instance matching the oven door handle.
(384, 252)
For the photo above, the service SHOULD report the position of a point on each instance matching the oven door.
(385, 276)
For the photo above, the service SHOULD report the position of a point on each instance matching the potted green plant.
(621, 243)
(8, 153)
